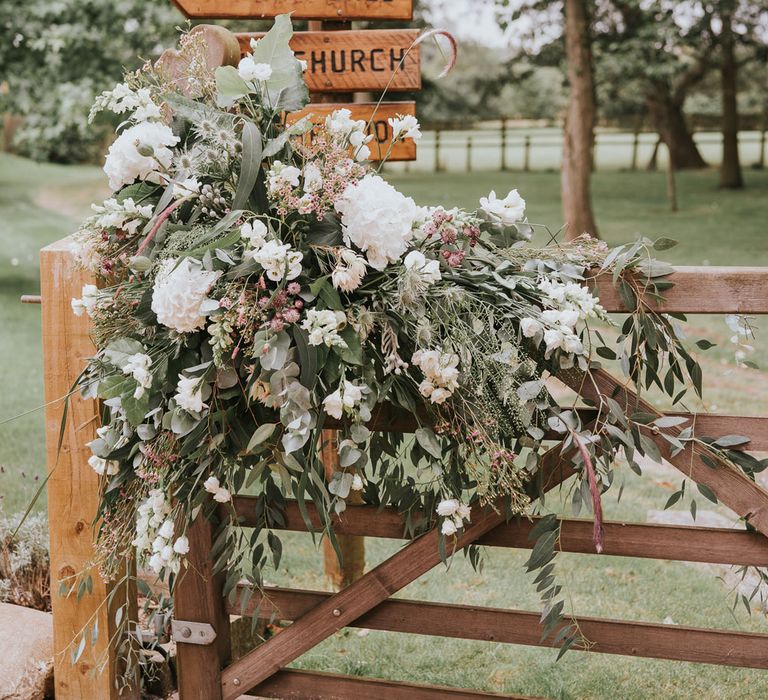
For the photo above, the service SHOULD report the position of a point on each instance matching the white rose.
(377, 219)
(124, 163)
(508, 211)
(179, 292)
(447, 507)
(530, 327)
(250, 71)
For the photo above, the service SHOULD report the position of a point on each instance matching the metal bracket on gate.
(184, 632)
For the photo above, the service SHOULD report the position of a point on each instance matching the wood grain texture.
(312, 685)
(628, 638)
(198, 598)
(346, 61)
(300, 9)
(645, 540)
(340, 609)
(73, 487)
(376, 117)
(701, 290)
(731, 485)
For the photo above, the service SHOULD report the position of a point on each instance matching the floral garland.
(262, 282)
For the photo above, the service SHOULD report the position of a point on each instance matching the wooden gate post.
(73, 487)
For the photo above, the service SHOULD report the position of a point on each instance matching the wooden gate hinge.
(184, 632)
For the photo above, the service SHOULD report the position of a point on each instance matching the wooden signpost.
(345, 61)
(300, 9)
(379, 124)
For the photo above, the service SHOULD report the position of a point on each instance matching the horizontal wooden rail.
(391, 419)
(310, 685)
(709, 545)
(701, 290)
(628, 638)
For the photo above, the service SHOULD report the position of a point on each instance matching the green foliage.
(56, 57)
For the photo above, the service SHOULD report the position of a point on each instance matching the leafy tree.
(55, 57)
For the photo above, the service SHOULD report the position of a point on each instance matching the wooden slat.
(702, 290)
(629, 638)
(391, 419)
(731, 485)
(300, 9)
(311, 685)
(379, 127)
(346, 61)
(197, 597)
(342, 608)
(709, 545)
(73, 487)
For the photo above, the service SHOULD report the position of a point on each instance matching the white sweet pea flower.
(280, 174)
(189, 394)
(251, 72)
(181, 545)
(220, 494)
(323, 327)
(333, 405)
(448, 507)
(530, 327)
(405, 127)
(137, 366)
(508, 211)
(448, 528)
(103, 466)
(279, 260)
(313, 179)
(89, 297)
(429, 270)
(255, 232)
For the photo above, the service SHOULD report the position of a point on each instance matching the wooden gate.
(368, 602)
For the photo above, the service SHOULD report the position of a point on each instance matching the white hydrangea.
(189, 394)
(88, 301)
(345, 399)
(251, 71)
(323, 327)
(377, 219)
(280, 174)
(279, 260)
(220, 494)
(110, 467)
(125, 215)
(507, 211)
(441, 374)
(428, 270)
(255, 232)
(124, 162)
(137, 366)
(179, 296)
(405, 127)
(349, 271)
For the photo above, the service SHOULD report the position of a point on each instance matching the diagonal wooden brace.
(732, 487)
(366, 593)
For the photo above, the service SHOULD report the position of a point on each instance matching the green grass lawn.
(40, 203)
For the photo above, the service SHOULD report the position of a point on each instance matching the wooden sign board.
(300, 9)
(380, 128)
(346, 61)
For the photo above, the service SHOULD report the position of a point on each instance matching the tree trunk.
(730, 170)
(578, 138)
(669, 121)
